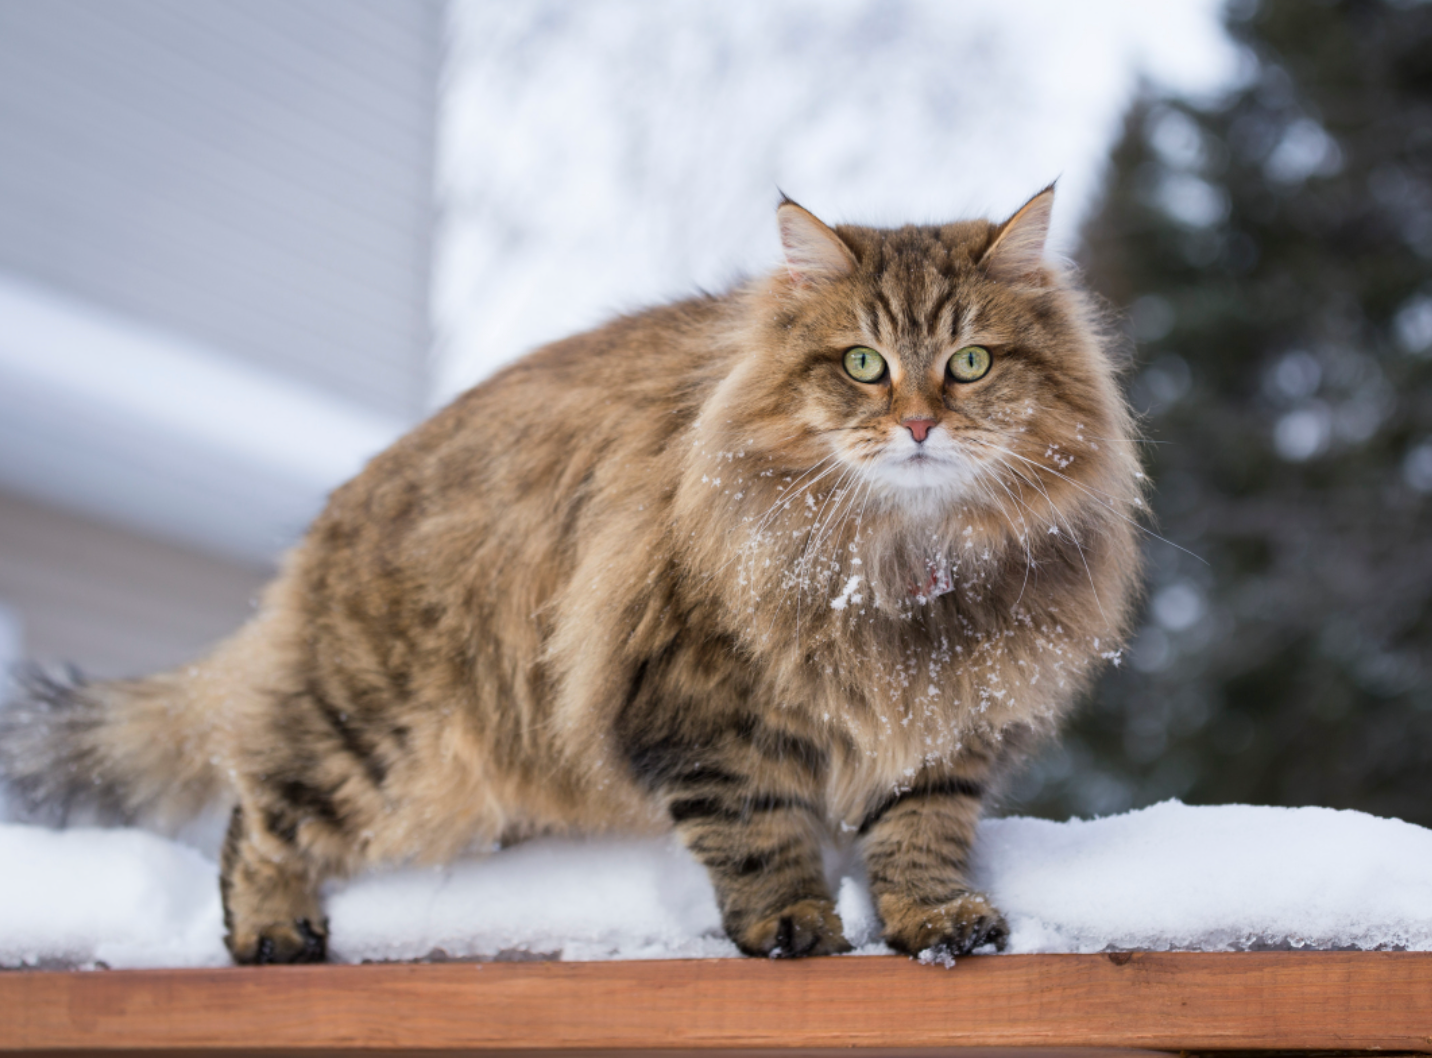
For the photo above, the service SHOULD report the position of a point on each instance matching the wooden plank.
(1349, 1001)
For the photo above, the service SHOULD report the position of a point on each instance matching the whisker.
(1113, 440)
(1094, 493)
(1073, 536)
(832, 522)
(1023, 538)
(803, 563)
(792, 492)
(783, 503)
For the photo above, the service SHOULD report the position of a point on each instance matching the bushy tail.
(115, 752)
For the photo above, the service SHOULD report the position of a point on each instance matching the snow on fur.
(1167, 877)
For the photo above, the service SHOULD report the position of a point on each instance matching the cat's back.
(621, 390)
(488, 504)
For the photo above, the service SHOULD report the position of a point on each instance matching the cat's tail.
(116, 751)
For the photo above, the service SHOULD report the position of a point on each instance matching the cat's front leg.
(763, 854)
(745, 799)
(916, 842)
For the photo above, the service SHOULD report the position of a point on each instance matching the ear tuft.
(813, 251)
(1018, 250)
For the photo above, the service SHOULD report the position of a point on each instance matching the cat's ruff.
(760, 567)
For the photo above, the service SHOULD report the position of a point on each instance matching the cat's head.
(935, 364)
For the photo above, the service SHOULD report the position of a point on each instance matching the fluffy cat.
(823, 553)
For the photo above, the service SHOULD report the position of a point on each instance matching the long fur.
(657, 575)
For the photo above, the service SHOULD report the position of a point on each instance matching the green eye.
(969, 364)
(864, 365)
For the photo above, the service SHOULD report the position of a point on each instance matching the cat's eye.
(864, 364)
(970, 364)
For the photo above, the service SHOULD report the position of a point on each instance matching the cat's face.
(938, 364)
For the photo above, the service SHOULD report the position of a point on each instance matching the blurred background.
(246, 243)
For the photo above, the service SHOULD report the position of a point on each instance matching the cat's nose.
(919, 428)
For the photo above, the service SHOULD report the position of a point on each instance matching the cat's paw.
(956, 927)
(807, 927)
(280, 942)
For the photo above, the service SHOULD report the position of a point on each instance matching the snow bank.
(1213, 879)
(570, 899)
(117, 897)
(1166, 877)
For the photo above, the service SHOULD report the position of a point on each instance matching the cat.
(824, 554)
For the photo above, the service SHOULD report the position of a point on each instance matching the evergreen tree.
(1274, 252)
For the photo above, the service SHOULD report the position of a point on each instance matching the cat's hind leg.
(270, 894)
(311, 796)
(916, 843)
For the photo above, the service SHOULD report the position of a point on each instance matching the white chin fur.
(936, 467)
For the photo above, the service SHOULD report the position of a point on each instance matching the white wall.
(215, 221)
(252, 174)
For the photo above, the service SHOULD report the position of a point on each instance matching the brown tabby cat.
(826, 551)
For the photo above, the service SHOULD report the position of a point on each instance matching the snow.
(118, 897)
(608, 899)
(1167, 877)
(600, 156)
(1213, 878)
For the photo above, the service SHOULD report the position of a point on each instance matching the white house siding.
(252, 174)
(215, 226)
(112, 602)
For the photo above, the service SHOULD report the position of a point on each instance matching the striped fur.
(660, 576)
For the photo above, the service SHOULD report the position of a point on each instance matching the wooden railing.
(1191, 1002)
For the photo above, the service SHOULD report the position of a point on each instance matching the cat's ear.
(812, 250)
(1018, 249)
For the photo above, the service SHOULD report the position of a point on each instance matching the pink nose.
(919, 427)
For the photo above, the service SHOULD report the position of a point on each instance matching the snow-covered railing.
(1175, 1001)
(1172, 928)
(1170, 877)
